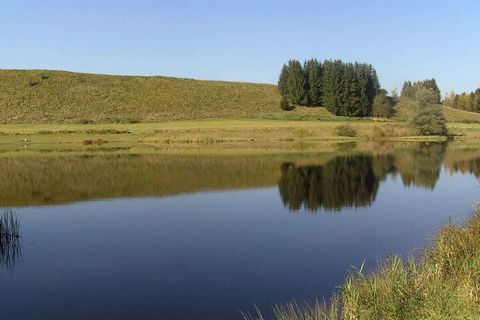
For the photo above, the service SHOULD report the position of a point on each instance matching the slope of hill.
(402, 112)
(33, 96)
(45, 96)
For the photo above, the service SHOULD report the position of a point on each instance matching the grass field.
(215, 134)
(219, 133)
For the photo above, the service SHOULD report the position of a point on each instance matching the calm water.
(151, 237)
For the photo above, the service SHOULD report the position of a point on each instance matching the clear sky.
(244, 40)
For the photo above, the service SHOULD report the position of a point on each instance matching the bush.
(427, 116)
(382, 106)
(345, 130)
(285, 105)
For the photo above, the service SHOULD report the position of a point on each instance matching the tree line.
(423, 99)
(468, 101)
(346, 89)
(409, 89)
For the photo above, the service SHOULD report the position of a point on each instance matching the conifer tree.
(313, 71)
(296, 83)
(282, 81)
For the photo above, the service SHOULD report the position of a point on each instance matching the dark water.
(150, 237)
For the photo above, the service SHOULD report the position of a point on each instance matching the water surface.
(156, 237)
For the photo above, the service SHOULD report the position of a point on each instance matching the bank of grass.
(212, 129)
(444, 284)
(219, 135)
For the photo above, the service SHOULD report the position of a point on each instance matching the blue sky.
(244, 40)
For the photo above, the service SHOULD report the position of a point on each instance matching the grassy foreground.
(443, 284)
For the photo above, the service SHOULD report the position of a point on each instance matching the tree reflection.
(343, 182)
(421, 166)
(471, 166)
(353, 181)
(10, 246)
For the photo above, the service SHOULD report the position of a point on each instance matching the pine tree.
(343, 88)
(296, 84)
(328, 86)
(282, 81)
(313, 71)
(352, 99)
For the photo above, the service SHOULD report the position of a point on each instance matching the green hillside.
(43, 96)
(402, 112)
(56, 96)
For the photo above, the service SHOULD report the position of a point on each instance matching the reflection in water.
(329, 181)
(10, 247)
(342, 182)
(353, 181)
(420, 167)
(467, 166)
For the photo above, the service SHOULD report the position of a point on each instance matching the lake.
(114, 236)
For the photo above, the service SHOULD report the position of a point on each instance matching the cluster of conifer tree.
(346, 89)
(469, 101)
(410, 89)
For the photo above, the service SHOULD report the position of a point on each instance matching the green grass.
(403, 109)
(45, 96)
(41, 96)
(444, 284)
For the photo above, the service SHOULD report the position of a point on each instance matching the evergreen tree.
(343, 88)
(296, 84)
(313, 71)
(352, 94)
(329, 93)
(282, 81)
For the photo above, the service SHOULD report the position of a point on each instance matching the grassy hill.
(402, 112)
(55, 96)
(43, 96)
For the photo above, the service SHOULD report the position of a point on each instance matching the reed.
(10, 247)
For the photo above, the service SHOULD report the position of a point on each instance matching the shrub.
(427, 116)
(382, 106)
(345, 130)
(285, 105)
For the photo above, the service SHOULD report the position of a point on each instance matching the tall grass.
(443, 284)
(10, 249)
